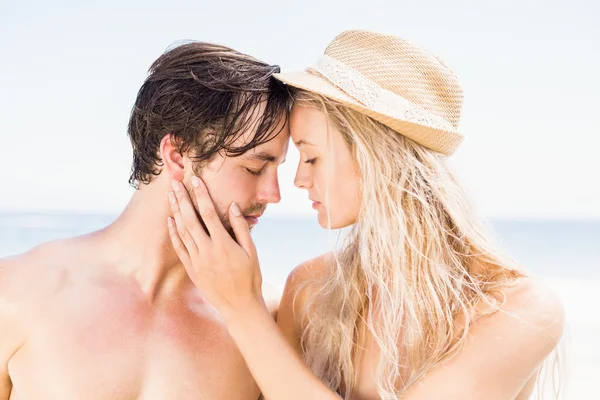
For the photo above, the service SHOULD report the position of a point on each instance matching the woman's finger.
(182, 231)
(207, 210)
(178, 245)
(241, 229)
(189, 216)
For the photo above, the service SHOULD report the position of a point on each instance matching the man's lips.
(252, 219)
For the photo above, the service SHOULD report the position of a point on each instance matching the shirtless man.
(113, 314)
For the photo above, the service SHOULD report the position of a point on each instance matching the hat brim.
(441, 141)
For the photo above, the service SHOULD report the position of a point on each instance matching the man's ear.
(173, 160)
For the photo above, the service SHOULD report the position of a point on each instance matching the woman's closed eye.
(310, 161)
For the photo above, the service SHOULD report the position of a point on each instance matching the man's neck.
(138, 244)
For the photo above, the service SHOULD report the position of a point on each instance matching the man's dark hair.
(205, 96)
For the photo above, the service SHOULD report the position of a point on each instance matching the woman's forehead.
(308, 125)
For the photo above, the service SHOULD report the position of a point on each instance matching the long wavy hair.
(415, 270)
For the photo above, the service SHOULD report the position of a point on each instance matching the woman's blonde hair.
(413, 271)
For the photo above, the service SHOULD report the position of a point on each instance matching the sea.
(546, 248)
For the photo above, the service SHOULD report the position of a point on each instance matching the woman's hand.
(229, 276)
(227, 273)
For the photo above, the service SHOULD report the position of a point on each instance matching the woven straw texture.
(391, 80)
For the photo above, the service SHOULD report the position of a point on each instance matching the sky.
(70, 71)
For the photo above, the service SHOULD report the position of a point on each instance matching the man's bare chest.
(119, 349)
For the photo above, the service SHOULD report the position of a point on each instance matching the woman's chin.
(322, 218)
(324, 223)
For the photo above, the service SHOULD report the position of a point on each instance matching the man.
(113, 314)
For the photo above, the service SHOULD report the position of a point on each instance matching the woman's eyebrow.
(303, 142)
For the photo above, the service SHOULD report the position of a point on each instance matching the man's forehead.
(281, 128)
(273, 150)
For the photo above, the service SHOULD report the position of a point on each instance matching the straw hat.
(392, 81)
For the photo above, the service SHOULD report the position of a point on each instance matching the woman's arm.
(275, 365)
(229, 276)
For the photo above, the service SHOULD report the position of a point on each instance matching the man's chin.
(232, 233)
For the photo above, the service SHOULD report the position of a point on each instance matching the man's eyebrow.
(303, 142)
(262, 156)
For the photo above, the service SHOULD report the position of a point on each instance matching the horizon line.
(280, 215)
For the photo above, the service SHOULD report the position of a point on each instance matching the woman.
(418, 303)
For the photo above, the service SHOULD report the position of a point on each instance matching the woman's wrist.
(244, 310)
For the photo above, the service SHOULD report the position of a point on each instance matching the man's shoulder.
(27, 275)
(44, 253)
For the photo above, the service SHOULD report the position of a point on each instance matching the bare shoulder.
(536, 308)
(531, 317)
(519, 336)
(22, 286)
(308, 271)
(28, 276)
(511, 343)
(299, 288)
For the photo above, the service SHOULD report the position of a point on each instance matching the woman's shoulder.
(534, 304)
(512, 342)
(310, 270)
(305, 280)
(526, 328)
(528, 310)
(301, 284)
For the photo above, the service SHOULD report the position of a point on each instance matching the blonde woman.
(418, 303)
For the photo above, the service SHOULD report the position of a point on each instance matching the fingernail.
(175, 185)
(170, 221)
(235, 209)
(172, 197)
(195, 181)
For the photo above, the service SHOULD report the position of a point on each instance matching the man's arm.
(10, 329)
(5, 383)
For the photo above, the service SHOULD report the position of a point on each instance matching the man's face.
(250, 179)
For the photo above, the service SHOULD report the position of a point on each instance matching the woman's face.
(325, 162)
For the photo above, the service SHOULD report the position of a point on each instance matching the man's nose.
(269, 192)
